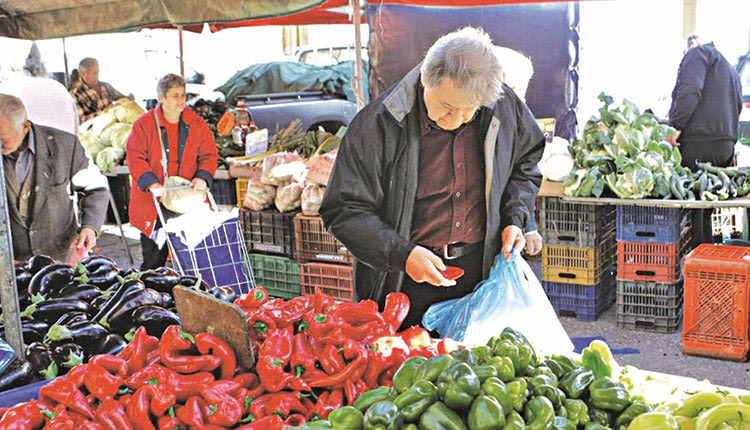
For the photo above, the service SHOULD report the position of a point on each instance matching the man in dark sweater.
(706, 104)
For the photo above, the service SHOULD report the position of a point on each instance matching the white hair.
(517, 69)
(12, 108)
(465, 56)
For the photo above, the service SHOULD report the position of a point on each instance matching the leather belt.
(451, 251)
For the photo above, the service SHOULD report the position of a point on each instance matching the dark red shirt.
(450, 205)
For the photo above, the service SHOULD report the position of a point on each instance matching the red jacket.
(199, 158)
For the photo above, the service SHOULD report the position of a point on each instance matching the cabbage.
(126, 110)
(108, 158)
(116, 135)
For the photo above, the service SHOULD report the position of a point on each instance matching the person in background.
(191, 153)
(47, 101)
(43, 165)
(92, 96)
(404, 194)
(706, 104)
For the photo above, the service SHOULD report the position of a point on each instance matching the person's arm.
(355, 197)
(689, 87)
(137, 156)
(114, 94)
(92, 188)
(208, 156)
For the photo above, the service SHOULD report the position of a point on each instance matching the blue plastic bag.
(510, 297)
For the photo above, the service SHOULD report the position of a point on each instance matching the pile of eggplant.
(70, 314)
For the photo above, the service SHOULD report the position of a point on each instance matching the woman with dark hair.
(184, 137)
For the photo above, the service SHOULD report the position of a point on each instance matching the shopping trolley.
(209, 244)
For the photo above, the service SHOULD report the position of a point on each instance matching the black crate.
(649, 306)
(573, 224)
(269, 231)
(224, 191)
(119, 186)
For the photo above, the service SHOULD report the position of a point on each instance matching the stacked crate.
(270, 238)
(651, 245)
(728, 223)
(324, 262)
(578, 256)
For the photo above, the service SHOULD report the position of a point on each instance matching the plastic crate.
(241, 187)
(573, 224)
(119, 186)
(224, 191)
(716, 322)
(658, 262)
(649, 306)
(333, 279)
(728, 222)
(315, 243)
(278, 275)
(269, 231)
(586, 302)
(578, 265)
(651, 224)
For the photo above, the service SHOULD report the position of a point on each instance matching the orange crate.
(315, 243)
(241, 186)
(646, 261)
(715, 320)
(333, 279)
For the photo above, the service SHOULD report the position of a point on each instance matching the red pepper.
(260, 322)
(357, 353)
(327, 402)
(111, 415)
(302, 359)
(125, 400)
(294, 420)
(168, 423)
(330, 359)
(153, 398)
(183, 386)
(416, 337)
(259, 407)
(223, 409)
(278, 344)
(271, 422)
(194, 412)
(318, 324)
(63, 392)
(297, 307)
(77, 374)
(396, 309)
(253, 299)
(208, 344)
(376, 364)
(367, 331)
(228, 386)
(136, 351)
(175, 348)
(62, 420)
(102, 384)
(322, 301)
(357, 313)
(23, 416)
(251, 382)
(350, 392)
(115, 365)
(284, 403)
(393, 362)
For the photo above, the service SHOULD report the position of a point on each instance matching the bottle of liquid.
(253, 127)
(237, 134)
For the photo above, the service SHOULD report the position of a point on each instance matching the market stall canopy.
(45, 19)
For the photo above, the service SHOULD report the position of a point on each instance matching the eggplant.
(164, 270)
(161, 282)
(92, 262)
(51, 279)
(225, 294)
(99, 301)
(85, 292)
(40, 358)
(7, 354)
(103, 277)
(19, 373)
(39, 262)
(51, 310)
(155, 319)
(111, 344)
(192, 281)
(87, 334)
(129, 287)
(31, 331)
(67, 356)
(71, 317)
(23, 277)
(122, 318)
(167, 301)
(124, 273)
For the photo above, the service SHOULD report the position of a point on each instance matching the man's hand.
(199, 184)
(512, 239)
(86, 238)
(157, 190)
(533, 243)
(422, 266)
(673, 139)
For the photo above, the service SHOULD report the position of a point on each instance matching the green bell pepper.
(504, 366)
(458, 386)
(629, 414)
(577, 411)
(411, 426)
(594, 360)
(383, 415)
(416, 399)
(486, 414)
(609, 394)
(317, 424)
(482, 353)
(440, 417)
(518, 393)
(520, 339)
(600, 416)
(526, 358)
(506, 348)
(561, 423)
(496, 389)
(514, 421)
(575, 383)
(543, 370)
(484, 372)
(465, 355)
(555, 367)
(542, 380)
(738, 413)
(553, 394)
(431, 369)
(697, 403)
(654, 421)
(370, 397)
(566, 363)
(596, 426)
(404, 376)
(539, 414)
(347, 417)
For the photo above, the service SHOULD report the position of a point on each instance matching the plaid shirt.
(89, 103)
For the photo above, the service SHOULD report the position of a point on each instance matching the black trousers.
(154, 255)
(424, 295)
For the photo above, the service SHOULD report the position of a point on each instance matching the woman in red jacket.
(192, 154)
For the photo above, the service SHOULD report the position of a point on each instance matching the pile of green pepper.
(501, 385)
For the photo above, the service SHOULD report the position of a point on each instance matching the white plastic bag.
(511, 297)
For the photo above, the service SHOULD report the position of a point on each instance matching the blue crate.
(651, 224)
(586, 302)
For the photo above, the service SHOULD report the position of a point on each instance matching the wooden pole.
(182, 59)
(358, 79)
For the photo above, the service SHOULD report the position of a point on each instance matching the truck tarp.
(289, 77)
(400, 36)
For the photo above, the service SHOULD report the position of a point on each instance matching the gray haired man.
(439, 169)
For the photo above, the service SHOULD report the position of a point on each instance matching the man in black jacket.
(440, 169)
(706, 104)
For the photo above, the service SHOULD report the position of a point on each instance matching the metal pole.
(358, 80)
(65, 61)
(182, 60)
(8, 292)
